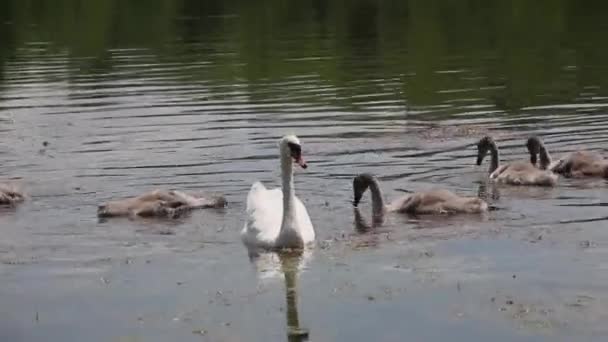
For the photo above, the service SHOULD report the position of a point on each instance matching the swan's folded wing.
(499, 171)
(304, 222)
(198, 202)
(264, 214)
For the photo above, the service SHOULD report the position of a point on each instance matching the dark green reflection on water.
(511, 54)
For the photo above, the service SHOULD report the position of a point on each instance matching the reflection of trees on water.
(509, 54)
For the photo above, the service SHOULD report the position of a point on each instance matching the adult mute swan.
(514, 173)
(158, 203)
(276, 218)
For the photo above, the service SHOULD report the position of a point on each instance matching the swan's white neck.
(289, 235)
(288, 190)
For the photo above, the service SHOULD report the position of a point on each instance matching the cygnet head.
(483, 146)
(533, 145)
(290, 146)
(360, 185)
(107, 209)
(10, 197)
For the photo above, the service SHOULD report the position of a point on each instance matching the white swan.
(276, 218)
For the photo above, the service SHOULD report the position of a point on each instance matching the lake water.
(182, 94)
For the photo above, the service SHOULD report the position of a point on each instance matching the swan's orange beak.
(300, 161)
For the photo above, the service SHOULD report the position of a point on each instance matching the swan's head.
(106, 210)
(483, 146)
(291, 148)
(10, 197)
(360, 184)
(533, 145)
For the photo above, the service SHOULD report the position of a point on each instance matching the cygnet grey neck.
(494, 161)
(545, 158)
(378, 207)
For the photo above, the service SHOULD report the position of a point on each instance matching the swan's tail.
(481, 206)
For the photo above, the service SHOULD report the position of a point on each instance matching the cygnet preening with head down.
(433, 202)
(158, 203)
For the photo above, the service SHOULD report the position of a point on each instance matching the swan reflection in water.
(488, 191)
(361, 224)
(287, 264)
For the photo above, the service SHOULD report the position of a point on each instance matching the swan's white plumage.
(265, 216)
(276, 218)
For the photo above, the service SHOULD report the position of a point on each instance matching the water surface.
(132, 96)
